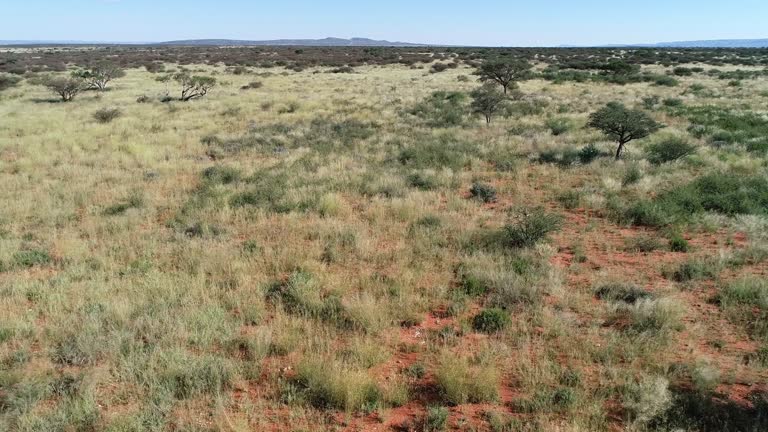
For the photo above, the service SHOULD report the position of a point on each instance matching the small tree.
(193, 87)
(487, 100)
(623, 125)
(505, 72)
(100, 75)
(65, 87)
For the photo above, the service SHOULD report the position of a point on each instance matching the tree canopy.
(622, 124)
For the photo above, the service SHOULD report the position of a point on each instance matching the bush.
(650, 102)
(626, 293)
(531, 227)
(442, 109)
(483, 192)
(491, 320)
(631, 176)
(678, 243)
(694, 269)
(729, 194)
(668, 150)
(32, 258)
(666, 81)
(7, 81)
(588, 154)
(252, 85)
(559, 125)
(221, 175)
(436, 419)
(106, 115)
(422, 181)
(643, 244)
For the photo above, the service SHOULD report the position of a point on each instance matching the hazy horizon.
(548, 23)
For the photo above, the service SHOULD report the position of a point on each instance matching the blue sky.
(493, 22)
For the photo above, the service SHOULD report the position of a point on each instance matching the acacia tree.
(65, 87)
(193, 87)
(487, 100)
(505, 72)
(622, 124)
(100, 75)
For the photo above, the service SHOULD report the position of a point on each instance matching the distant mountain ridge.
(365, 42)
(718, 43)
(329, 42)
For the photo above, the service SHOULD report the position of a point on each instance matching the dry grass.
(334, 245)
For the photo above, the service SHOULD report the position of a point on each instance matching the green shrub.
(589, 153)
(631, 176)
(668, 150)
(694, 269)
(665, 80)
(32, 258)
(626, 293)
(7, 81)
(678, 243)
(642, 244)
(221, 174)
(728, 194)
(106, 115)
(531, 227)
(483, 192)
(422, 181)
(650, 102)
(442, 109)
(673, 102)
(491, 320)
(558, 125)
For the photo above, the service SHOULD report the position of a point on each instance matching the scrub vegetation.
(205, 239)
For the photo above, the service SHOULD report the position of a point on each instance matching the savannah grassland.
(307, 255)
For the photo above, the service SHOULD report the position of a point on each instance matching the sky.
(487, 23)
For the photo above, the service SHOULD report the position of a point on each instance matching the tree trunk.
(618, 150)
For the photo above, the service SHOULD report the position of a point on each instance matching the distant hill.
(718, 43)
(327, 42)
(722, 43)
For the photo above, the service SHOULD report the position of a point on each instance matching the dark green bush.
(442, 109)
(531, 227)
(668, 150)
(626, 293)
(678, 243)
(483, 192)
(221, 174)
(589, 153)
(491, 320)
(559, 125)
